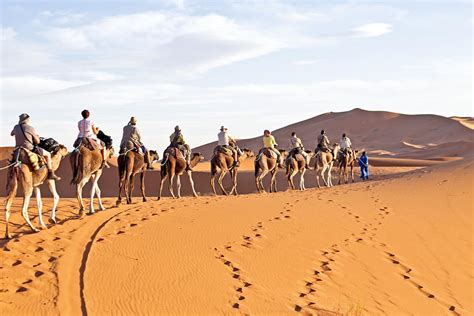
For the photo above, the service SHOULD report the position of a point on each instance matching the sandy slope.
(377, 132)
(398, 246)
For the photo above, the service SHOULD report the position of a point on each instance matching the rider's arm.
(95, 130)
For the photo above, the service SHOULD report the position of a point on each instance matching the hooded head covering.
(23, 117)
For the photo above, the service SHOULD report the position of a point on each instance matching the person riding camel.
(131, 139)
(346, 145)
(323, 142)
(87, 129)
(177, 141)
(228, 142)
(296, 147)
(26, 137)
(270, 143)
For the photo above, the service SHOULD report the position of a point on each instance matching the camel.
(323, 162)
(86, 166)
(130, 164)
(30, 181)
(346, 162)
(172, 166)
(265, 163)
(295, 164)
(225, 164)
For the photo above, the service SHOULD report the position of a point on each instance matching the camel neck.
(56, 160)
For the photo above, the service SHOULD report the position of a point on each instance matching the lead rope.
(16, 162)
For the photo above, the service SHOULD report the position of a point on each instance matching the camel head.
(249, 152)
(60, 150)
(283, 152)
(336, 147)
(153, 154)
(198, 156)
(111, 152)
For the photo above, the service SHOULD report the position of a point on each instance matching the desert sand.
(399, 244)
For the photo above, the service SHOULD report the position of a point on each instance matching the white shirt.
(223, 138)
(346, 143)
(85, 129)
(295, 142)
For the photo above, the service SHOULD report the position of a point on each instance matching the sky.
(249, 65)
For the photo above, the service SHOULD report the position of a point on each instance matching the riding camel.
(266, 162)
(323, 162)
(295, 164)
(346, 162)
(86, 165)
(225, 163)
(130, 164)
(174, 164)
(30, 181)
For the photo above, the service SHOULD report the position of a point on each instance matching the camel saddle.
(87, 143)
(175, 152)
(223, 150)
(268, 152)
(35, 161)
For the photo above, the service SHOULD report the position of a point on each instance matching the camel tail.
(163, 169)
(75, 168)
(213, 168)
(257, 168)
(12, 183)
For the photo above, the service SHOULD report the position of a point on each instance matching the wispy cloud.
(372, 30)
(304, 62)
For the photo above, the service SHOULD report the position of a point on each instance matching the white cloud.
(70, 37)
(304, 62)
(61, 17)
(8, 33)
(372, 30)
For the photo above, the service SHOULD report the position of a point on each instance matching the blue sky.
(249, 65)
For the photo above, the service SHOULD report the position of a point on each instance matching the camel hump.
(267, 152)
(221, 149)
(175, 152)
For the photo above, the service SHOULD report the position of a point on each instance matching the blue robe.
(364, 167)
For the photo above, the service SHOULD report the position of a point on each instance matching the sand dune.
(380, 247)
(398, 244)
(372, 131)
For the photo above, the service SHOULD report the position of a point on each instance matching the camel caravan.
(35, 161)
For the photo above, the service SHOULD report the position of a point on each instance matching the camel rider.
(270, 143)
(131, 139)
(296, 147)
(177, 141)
(228, 142)
(323, 142)
(26, 137)
(87, 129)
(346, 145)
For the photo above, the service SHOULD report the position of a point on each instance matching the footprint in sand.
(38, 274)
(120, 232)
(39, 249)
(17, 262)
(133, 225)
(52, 259)
(21, 289)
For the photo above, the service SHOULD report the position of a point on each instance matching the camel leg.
(233, 174)
(54, 192)
(352, 173)
(178, 185)
(190, 176)
(94, 189)
(142, 185)
(330, 175)
(273, 187)
(8, 206)
(170, 185)
(260, 179)
(302, 187)
(98, 192)
(213, 184)
(79, 188)
(323, 170)
(24, 211)
(39, 205)
(121, 187)
(316, 168)
(219, 181)
(130, 188)
(290, 179)
(162, 182)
